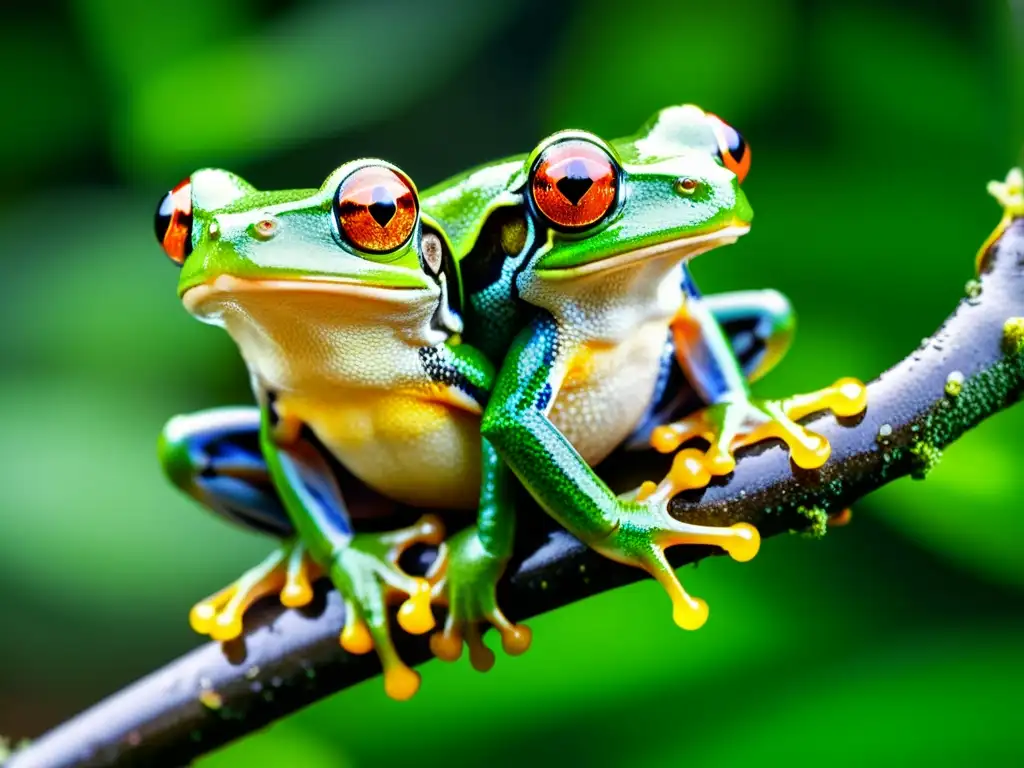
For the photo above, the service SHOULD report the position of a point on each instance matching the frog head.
(670, 191)
(273, 266)
(673, 186)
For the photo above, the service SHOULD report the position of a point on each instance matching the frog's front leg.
(631, 530)
(214, 457)
(473, 563)
(363, 566)
(734, 418)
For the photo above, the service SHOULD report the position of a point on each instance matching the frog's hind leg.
(759, 326)
(721, 343)
(214, 457)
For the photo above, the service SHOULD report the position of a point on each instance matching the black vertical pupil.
(382, 206)
(576, 182)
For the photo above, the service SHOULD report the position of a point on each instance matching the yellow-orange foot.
(467, 582)
(368, 576)
(731, 425)
(288, 572)
(647, 530)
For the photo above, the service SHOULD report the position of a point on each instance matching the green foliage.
(874, 129)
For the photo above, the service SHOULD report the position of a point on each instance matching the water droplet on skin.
(884, 432)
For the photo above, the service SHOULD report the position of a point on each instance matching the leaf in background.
(899, 85)
(285, 745)
(924, 698)
(618, 63)
(95, 298)
(89, 520)
(49, 100)
(129, 41)
(315, 71)
(940, 696)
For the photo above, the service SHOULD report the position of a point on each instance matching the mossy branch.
(971, 368)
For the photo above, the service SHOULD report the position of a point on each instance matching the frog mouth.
(197, 297)
(680, 249)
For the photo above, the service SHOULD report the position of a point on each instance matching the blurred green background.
(874, 125)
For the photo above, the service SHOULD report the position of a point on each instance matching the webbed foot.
(368, 576)
(734, 424)
(288, 572)
(467, 583)
(646, 529)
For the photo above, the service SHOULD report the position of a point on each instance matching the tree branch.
(970, 369)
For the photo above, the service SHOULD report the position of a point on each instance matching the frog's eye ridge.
(732, 147)
(574, 184)
(174, 222)
(376, 209)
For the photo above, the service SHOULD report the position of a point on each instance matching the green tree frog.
(573, 265)
(343, 302)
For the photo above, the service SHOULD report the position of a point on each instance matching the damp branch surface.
(970, 369)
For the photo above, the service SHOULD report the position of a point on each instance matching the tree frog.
(343, 302)
(573, 264)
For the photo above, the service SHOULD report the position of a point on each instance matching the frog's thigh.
(214, 456)
(758, 324)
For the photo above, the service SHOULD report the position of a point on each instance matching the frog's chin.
(678, 250)
(206, 299)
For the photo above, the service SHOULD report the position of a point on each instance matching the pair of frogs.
(505, 330)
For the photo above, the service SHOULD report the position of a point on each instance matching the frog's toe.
(808, 450)
(734, 424)
(467, 585)
(414, 614)
(368, 575)
(366, 620)
(643, 535)
(287, 572)
(464, 627)
(300, 573)
(847, 397)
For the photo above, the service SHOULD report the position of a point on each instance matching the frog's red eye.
(174, 222)
(732, 149)
(376, 209)
(574, 184)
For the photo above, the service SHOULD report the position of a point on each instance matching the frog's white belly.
(607, 389)
(416, 451)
